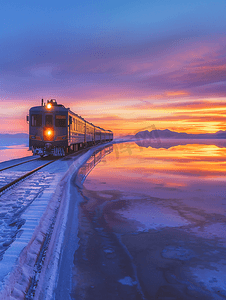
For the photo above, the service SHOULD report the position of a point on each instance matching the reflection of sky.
(194, 173)
(168, 200)
(179, 167)
(96, 157)
(152, 61)
(152, 189)
(13, 152)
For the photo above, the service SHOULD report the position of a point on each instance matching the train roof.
(76, 115)
(61, 108)
(43, 108)
(100, 128)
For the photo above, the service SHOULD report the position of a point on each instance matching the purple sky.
(102, 57)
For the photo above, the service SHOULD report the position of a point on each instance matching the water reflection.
(13, 152)
(169, 143)
(188, 160)
(191, 175)
(91, 163)
(167, 208)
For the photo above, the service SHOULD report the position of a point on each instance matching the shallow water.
(192, 175)
(167, 207)
(13, 152)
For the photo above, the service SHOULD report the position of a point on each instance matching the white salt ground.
(153, 217)
(212, 279)
(9, 261)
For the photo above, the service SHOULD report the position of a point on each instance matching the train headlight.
(49, 105)
(48, 134)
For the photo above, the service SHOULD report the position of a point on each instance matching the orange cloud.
(191, 116)
(176, 93)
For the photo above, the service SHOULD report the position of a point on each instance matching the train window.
(36, 120)
(81, 127)
(49, 120)
(60, 121)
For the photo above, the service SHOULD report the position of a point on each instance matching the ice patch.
(127, 281)
(211, 231)
(212, 278)
(153, 217)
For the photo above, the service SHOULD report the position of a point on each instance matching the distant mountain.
(13, 139)
(169, 143)
(168, 134)
(13, 136)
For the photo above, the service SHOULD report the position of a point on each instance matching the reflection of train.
(97, 156)
(56, 130)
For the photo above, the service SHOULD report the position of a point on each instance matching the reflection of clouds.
(184, 231)
(193, 150)
(181, 160)
(183, 171)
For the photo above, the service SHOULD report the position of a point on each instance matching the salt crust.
(19, 279)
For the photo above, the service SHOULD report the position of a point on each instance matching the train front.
(48, 129)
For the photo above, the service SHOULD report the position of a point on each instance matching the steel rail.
(24, 176)
(21, 163)
(35, 170)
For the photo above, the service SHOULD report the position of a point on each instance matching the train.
(55, 130)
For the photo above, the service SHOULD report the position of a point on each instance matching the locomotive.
(56, 130)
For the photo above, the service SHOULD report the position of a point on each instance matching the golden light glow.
(48, 134)
(161, 168)
(177, 93)
(48, 105)
(129, 116)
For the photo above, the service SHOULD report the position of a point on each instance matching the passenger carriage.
(56, 130)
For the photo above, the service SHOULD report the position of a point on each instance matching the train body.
(56, 130)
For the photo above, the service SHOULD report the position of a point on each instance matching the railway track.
(21, 163)
(5, 187)
(16, 220)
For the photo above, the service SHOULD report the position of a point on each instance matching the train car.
(97, 135)
(56, 130)
(102, 135)
(76, 131)
(90, 131)
(109, 135)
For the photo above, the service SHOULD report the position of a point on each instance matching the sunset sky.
(123, 65)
